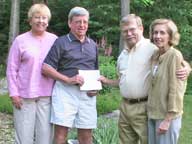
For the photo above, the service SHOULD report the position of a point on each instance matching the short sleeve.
(54, 55)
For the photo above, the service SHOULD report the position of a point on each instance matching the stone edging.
(3, 86)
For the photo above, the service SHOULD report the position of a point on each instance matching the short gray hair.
(78, 11)
(126, 19)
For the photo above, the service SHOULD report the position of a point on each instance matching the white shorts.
(72, 107)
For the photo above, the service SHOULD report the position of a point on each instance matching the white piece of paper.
(90, 80)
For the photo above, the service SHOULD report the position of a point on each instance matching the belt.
(137, 100)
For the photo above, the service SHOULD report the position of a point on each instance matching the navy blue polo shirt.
(68, 55)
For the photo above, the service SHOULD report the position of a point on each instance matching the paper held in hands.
(90, 80)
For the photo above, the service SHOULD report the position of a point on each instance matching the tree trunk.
(14, 20)
(125, 9)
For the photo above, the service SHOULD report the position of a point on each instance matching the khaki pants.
(32, 122)
(133, 123)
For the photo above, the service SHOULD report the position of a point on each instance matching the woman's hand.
(164, 126)
(17, 101)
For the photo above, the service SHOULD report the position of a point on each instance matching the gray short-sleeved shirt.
(68, 55)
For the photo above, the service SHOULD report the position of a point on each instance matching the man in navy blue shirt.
(70, 53)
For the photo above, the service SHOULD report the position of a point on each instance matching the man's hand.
(184, 72)
(107, 81)
(16, 101)
(92, 93)
(103, 80)
(76, 80)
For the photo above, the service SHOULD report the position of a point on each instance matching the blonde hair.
(39, 8)
(126, 19)
(171, 29)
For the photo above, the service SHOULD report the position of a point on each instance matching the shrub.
(6, 105)
(108, 102)
(107, 66)
(106, 132)
(2, 71)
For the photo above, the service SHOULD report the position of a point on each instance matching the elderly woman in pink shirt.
(30, 91)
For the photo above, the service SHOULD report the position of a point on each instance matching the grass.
(5, 104)
(186, 130)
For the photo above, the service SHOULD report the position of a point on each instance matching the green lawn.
(186, 131)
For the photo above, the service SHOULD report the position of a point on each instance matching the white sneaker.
(72, 141)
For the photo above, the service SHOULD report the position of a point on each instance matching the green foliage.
(108, 102)
(105, 133)
(186, 131)
(179, 11)
(4, 30)
(60, 10)
(2, 70)
(144, 2)
(189, 86)
(107, 66)
(5, 104)
(101, 24)
(185, 42)
(104, 21)
(109, 97)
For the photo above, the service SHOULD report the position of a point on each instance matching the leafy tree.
(179, 11)
(4, 29)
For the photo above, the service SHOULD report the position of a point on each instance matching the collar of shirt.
(71, 38)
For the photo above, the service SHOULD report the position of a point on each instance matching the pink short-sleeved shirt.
(24, 66)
